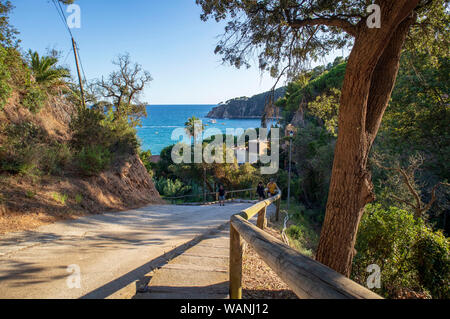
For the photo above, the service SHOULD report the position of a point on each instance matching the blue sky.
(166, 37)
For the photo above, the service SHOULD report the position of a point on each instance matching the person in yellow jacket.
(272, 188)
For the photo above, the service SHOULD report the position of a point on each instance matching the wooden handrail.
(210, 193)
(308, 278)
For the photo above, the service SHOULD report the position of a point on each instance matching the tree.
(45, 70)
(123, 88)
(7, 32)
(193, 127)
(287, 33)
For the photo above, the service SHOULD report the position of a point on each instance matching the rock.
(244, 107)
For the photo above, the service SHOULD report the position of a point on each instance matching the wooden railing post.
(277, 215)
(261, 223)
(236, 252)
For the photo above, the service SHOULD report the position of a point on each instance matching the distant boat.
(213, 121)
(156, 133)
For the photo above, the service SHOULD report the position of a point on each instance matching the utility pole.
(291, 134)
(75, 52)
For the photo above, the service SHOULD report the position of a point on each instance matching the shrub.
(34, 98)
(78, 199)
(93, 159)
(122, 138)
(87, 128)
(59, 198)
(169, 188)
(146, 158)
(93, 127)
(431, 254)
(5, 76)
(411, 256)
(55, 158)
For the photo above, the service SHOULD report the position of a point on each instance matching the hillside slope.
(28, 200)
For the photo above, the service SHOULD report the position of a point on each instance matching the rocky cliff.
(244, 107)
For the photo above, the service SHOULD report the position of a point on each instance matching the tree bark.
(371, 73)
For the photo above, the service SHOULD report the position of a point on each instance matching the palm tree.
(45, 71)
(194, 127)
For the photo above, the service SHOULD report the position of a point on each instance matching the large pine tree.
(285, 34)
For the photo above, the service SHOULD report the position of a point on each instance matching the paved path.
(200, 272)
(111, 250)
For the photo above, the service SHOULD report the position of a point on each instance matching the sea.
(156, 131)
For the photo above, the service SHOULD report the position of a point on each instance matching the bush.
(93, 127)
(55, 158)
(93, 159)
(5, 76)
(431, 254)
(20, 149)
(169, 188)
(146, 158)
(34, 98)
(87, 128)
(411, 256)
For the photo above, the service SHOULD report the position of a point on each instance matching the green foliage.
(60, 198)
(317, 91)
(7, 32)
(326, 108)
(266, 28)
(303, 238)
(30, 194)
(123, 88)
(45, 70)
(146, 158)
(78, 199)
(87, 127)
(171, 188)
(19, 149)
(98, 138)
(194, 127)
(93, 159)
(395, 241)
(26, 150)
(55, 158)
(5, 76)
(418, 116)
(431, 255)
(34, 98)
(313, 156)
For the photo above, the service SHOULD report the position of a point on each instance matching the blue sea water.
(162, 120)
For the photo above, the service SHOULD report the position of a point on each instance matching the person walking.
(260, 191)
(222, 195)
(272, 188)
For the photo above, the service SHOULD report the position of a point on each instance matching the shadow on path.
(139, 273)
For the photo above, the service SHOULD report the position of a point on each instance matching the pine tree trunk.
(371, 72)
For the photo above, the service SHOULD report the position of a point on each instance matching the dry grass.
(27, 202)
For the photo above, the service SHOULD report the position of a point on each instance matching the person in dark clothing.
(222, 194)
(260, 191)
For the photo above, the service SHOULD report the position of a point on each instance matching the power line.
(62, 16)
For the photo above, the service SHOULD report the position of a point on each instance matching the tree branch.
(331, 22)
